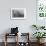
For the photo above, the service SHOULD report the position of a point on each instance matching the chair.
(25, 43)
(14, 32)
(7, 35)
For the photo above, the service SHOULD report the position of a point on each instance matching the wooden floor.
(13, 44)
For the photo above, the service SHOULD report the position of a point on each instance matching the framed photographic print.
(18, 13)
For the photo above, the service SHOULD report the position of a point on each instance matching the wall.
(24, 25)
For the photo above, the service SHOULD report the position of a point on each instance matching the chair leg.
(5, 43)
(5, 40)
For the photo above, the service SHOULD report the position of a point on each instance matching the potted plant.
(39, 35)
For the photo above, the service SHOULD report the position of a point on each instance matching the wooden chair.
(27, 43)
(8, 34)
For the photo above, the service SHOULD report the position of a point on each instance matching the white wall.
(24, 25)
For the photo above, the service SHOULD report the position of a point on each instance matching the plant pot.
(40, 40)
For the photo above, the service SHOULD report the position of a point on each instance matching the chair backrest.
(14, 30)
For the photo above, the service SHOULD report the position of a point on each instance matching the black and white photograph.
(18, 13)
